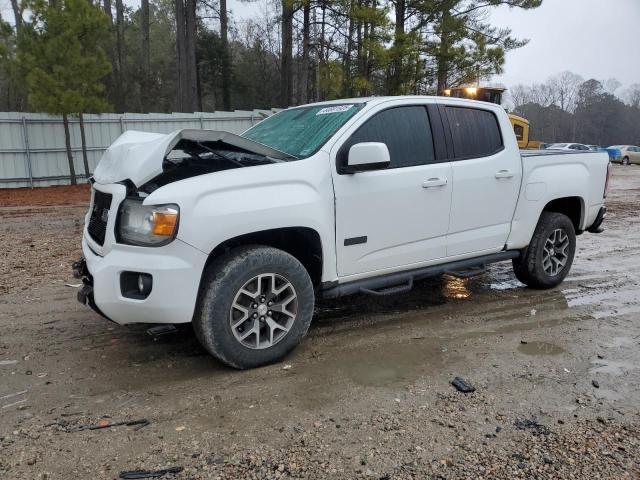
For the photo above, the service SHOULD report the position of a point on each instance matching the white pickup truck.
(237, 234)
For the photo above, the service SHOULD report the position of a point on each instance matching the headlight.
(148, 225)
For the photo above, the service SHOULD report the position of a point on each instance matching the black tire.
(625, 161)
(529, 267)
(224, 279)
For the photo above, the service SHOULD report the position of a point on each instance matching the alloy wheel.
(554, 254)
(263, 311)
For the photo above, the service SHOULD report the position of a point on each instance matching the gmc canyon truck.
(238, 234)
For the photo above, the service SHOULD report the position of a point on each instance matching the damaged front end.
(139, 158)
(85, 294)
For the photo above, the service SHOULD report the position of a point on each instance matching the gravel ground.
(367, 394)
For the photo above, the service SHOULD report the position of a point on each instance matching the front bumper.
(176, 270)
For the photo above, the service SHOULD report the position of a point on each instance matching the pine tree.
(66, 66)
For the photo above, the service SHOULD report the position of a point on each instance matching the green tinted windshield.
(302, 131)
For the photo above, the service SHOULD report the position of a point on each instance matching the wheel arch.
(303, 243)
(573, 207)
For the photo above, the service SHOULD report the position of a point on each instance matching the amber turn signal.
(164, 223)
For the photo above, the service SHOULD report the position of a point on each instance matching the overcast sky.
(593, 38)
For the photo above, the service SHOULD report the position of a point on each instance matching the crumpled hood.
(138, 156)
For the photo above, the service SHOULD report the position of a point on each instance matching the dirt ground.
(366, 395)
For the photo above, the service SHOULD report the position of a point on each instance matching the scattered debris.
(462, 386)
(11, 395)
(533, 312)
(567, 370)
(180, 428)
(104, 423)
(73, 285)
(523, 342)
(14, 403)
(131, 474)
(7, 362)
(526, 424)
(600, 356)
(159, 330)
(595, 383)
(287, 367)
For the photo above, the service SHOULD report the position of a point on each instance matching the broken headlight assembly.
(147, 225)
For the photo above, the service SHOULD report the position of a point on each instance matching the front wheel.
(255, 306)
(625, 161)
(548, 258)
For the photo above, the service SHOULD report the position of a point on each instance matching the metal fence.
(32, 145)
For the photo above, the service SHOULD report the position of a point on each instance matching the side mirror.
(367, 156)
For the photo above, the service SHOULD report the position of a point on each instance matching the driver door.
(398, 216)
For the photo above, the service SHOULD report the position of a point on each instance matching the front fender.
(224, 205)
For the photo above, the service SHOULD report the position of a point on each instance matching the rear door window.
(475, 132)
(405, 131)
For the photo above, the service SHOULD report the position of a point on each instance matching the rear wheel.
(255, 307)
(548, 258)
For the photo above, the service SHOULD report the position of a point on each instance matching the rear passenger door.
(395, 217)
(486, 180)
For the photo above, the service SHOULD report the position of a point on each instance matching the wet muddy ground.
(367, 394)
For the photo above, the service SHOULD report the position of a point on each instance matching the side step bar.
(403, 281)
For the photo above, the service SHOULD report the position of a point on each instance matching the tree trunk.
(119, 54)
(226, 57)
(17, 14)
(67, 139)
(85, 160)
(306, 34)
(107, 10)
(346, 59)
(146, 57)
(321, 54)
(364, 61)
(395, 84)
(190, 50)
(181, 56)
(359, 55)
(286, 72)
(443, 50)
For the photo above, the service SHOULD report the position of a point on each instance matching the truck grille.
(97, 227)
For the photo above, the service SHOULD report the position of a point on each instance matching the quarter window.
(405, 131)
(475, 133)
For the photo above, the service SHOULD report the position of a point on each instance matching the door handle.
(434, 182)
(504, 174)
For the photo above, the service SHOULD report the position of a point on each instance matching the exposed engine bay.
(191, 158)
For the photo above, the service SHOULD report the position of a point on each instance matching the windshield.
(302, 131)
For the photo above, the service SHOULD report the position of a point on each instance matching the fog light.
(144, 284)
(135, 285)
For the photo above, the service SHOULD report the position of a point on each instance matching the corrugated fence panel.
(33, 148)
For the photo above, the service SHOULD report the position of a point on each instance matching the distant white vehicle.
(568, 146)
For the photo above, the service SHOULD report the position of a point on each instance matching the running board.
(403, 281)
(469, 272)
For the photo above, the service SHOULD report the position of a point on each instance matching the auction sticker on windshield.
(336, 109)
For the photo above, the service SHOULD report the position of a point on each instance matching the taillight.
(606, 182)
